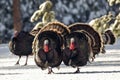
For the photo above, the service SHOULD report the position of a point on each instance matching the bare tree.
(17, 15)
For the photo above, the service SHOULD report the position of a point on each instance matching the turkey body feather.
(53, 57)
(21, 45)
(95, 37)
(79, 56)
(48, 44)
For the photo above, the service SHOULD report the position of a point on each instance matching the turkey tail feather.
(56, 27)
(89, 30)
(109, 37)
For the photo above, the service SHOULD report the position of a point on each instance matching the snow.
(105, 67)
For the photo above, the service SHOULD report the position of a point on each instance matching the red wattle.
(46, 48)
(72, 46)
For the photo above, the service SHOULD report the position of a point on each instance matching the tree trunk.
(17, 15)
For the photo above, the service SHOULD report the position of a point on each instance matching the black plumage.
(76, 54)
(21, 45)
(52, 57)
(48, 45)
(94, 36)
(109, 37)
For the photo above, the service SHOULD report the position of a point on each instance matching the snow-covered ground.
(105, 67)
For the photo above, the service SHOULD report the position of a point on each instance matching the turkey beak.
(45, 46)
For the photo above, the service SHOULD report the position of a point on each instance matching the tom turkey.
(77, 50)
(109, 37)
(82, 44)
(95, 38)
(21, 45)
(48, 44)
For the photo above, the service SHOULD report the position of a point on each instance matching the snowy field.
(105, 67)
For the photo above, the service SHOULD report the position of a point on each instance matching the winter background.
(105, 67)
(67, 11)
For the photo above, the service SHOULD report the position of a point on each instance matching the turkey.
(21, 45)
(109, 37)
(48, 44)
(81, 45)
(77, 50)
(95, 38)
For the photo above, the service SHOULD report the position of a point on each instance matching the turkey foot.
(50, 70)
(17, 63)
(26, 61)
(77, 71)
